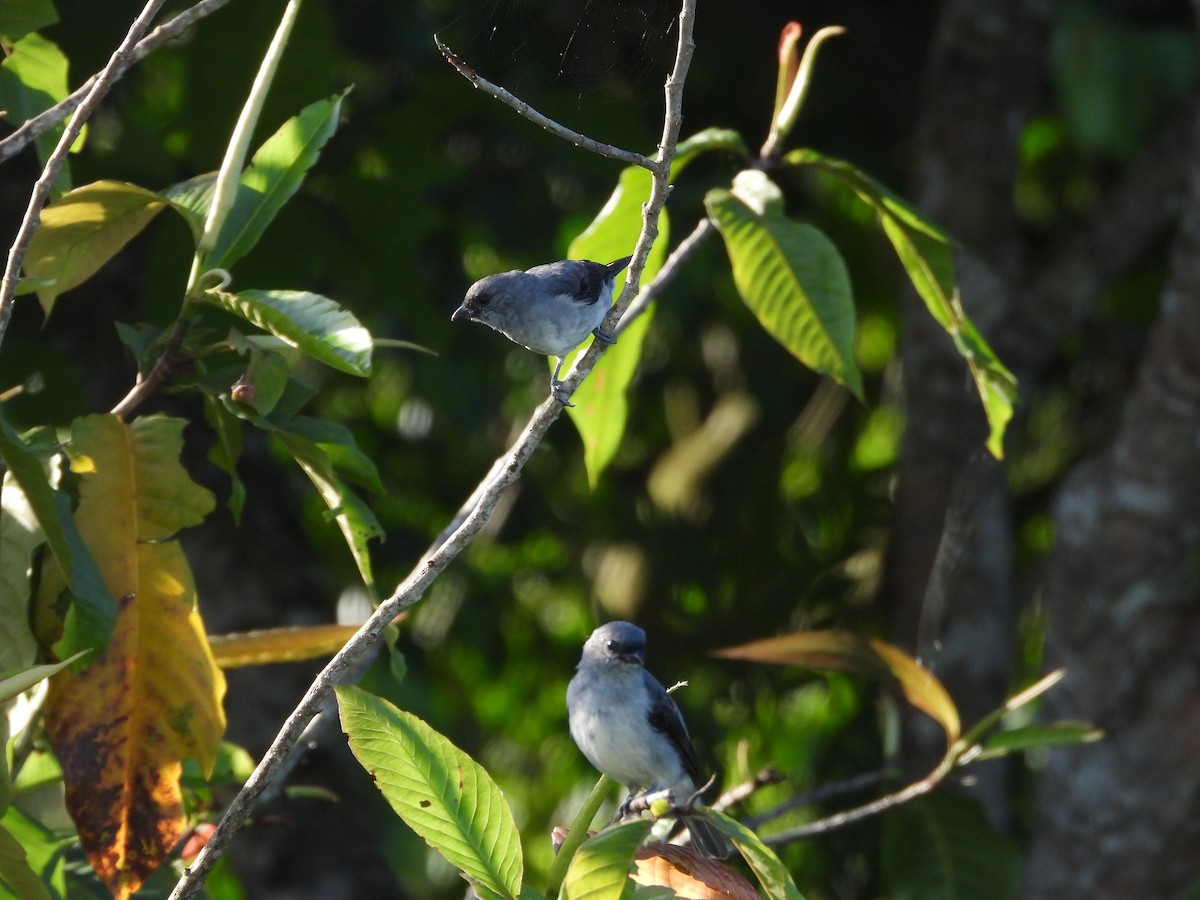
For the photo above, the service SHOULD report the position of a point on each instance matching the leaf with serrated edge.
(793, 279)
(845, 651)
(317, 325)
(440, 792)
(122, 727)
(84, 230)
(600, 868)
(771, 873)
(273, 176)
(601, 407)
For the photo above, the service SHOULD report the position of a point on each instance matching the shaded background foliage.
(748, 496)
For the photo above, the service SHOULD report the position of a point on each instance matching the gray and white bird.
(549, 309)
(630, 729)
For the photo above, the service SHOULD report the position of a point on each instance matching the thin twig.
(823, 794)
(703, 230)
(41, 190)
(508, 98)
(740, 792)
(33, 128)
(842, 819)
(502, 476)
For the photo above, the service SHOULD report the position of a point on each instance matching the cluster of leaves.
(96, 580)
(90, 514)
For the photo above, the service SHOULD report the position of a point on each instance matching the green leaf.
(600, 868)
(16, 875)
(790, 275)
(1035, 737)
(317, 325)
(13, 684)
(440, 792)
(273, 176)
(927, 256)
(33, 77)
(20, 536)
(601, 408)
(19, 17)
(192, 199)
(355, 519)
(94, 609)
(84, 230)
(771, 873)
(942, 848)
(707, 141)
(845, 651)
(338, 442)
(226, 451)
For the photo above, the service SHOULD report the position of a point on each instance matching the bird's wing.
(580, 279)
(665, 718)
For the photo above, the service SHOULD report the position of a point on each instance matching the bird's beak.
(634, 656)
(461, 313)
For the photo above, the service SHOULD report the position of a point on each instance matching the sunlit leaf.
(14, 683)
(771, 873)
(85, 229)
(192, 199)
(600, 868)
(688, 874)
(93, 609)
(941, 847)
(928, 257)
(440, 792)
(338, 442)
(601, 408)
(20, 535)
(33, 78)
(122, 727)
(317, 325)
(15, 872)
(707, 141)
(844, 651)
(276, 645)
(790, 275)
(1036, 737)
(273, 176)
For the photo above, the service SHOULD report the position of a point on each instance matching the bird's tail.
(706, 839)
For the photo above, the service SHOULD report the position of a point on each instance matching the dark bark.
(1122, 818)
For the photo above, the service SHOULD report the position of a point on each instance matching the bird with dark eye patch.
(630, 729)
(548, 309)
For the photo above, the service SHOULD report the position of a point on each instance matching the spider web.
(567, 44)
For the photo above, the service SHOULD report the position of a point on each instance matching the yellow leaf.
(847, 652)
(122, 727)
(276, 645)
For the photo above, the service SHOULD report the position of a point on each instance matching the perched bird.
(630, 729)
(549, 309)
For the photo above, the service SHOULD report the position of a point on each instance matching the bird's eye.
(483, 300)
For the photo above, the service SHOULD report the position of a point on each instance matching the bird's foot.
(604, 337)
(557, 392)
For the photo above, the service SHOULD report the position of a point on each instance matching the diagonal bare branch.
(503, 474)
